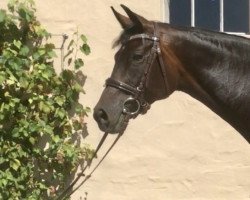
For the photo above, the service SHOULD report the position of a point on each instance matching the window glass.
(180, 12)
(236, 15)
(207, 14)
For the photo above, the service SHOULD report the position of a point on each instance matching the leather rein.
(138, 92)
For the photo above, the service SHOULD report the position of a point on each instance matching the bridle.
(136, 103)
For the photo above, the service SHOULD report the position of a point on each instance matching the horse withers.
(155, 59)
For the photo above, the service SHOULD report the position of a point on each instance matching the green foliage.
(39, 109)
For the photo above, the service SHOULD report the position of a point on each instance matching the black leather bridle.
(136, 103)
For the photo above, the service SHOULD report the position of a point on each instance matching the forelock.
(124, 36)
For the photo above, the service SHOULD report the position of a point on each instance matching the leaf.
(69, 61)
(2, 77)
(56, 138)
(4, 182)
(87, 109)
(2, 15)
(36, 56)
(30, 100)
(32, 140)
(44, 107)
(15, 164)
(24, 51)
(1, 60)
(70, 44)
(14, 52)
(77, 125)
(77, 87)
(41, 32)
(85, 49)
(60, 113)
(79, 108)
(10, 82)
(11, 5)
(52, 54)
(42, 66)
(67, 75)
(49, 130)
(49, 46)
(16, 133)
(47, 74)
(33, 127)
(41, 52)
(68, 54)
(84, 38)
(17, 43)
(60, 100)
(25, 14)
(7, 94)
(78, 63)
(23, 82)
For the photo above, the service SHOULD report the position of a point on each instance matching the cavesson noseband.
(136, 103)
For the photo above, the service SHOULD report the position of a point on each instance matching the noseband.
(136, 103)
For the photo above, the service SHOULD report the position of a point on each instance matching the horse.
(156, 59)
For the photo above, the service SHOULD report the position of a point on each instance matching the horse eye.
(137, 57)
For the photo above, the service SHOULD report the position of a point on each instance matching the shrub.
(39, 109)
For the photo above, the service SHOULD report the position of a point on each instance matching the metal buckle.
(139, 89)
(155, 38)
(131, 106)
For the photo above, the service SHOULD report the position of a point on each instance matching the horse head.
(139, 77)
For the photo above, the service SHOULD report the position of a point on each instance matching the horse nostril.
(101, 117)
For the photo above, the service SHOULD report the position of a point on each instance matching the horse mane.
(218, 38)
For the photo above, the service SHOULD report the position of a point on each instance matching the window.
(218, 15)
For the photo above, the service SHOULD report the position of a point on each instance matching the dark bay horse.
(155, 59)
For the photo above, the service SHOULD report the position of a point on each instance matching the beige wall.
(180, 150)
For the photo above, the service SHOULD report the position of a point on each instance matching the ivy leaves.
(39, 109)
(85, 47)
(73, 48)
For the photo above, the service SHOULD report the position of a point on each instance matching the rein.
(67, 193)
(137, 93)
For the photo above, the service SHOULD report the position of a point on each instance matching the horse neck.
(215, 72)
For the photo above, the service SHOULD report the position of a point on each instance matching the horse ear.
(137, 20)
(124, 21)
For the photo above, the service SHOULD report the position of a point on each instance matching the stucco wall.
(180, 150)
